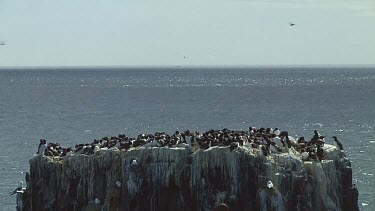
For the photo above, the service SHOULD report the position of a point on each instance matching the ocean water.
(76, 106)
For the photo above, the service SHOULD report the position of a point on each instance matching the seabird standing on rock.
(27, 178)
(276, 131)
(315, 138)
(187, 137)
(338, 144)
(261, 153)
(233, 146)
(42, 147)
(269, 184)
(320, 152)
(278, 141)
(134, 165)
(320, 141)
(134, 162)
(40, 144)
(263, 150)
(251, 131)
(269, 131)
(304, 155)
(96, 149)
(288, 142)
(19, 188)
(275, 148)
(301, 140)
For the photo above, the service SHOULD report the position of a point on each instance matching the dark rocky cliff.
(177, 179)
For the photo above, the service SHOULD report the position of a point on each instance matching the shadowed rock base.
(177, 179)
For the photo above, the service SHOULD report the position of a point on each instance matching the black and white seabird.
(251, 131)
(276, 132)
(269, 184)
(274, 148)
(42, 147)
(288, 142)
(315, 138)
(320, 141)
(320, 152)
(338, 144)
(233, 146)
(263, 150)
(278, 141)
(305, 156)
(301, 140)
(134, 166)
(19, 188)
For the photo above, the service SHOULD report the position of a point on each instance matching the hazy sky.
(186, 32)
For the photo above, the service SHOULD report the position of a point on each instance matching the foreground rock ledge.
(177, 179)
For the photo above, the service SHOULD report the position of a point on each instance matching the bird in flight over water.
(291, 24)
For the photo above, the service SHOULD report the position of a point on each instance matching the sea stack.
(193, 178)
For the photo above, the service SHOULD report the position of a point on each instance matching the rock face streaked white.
(178, 179)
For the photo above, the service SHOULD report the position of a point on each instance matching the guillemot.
(337, 143)
(315, 138)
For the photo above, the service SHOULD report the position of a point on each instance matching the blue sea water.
(78, 105)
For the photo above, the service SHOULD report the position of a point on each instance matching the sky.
(186, 32)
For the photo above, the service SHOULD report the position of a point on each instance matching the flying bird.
(291, 24)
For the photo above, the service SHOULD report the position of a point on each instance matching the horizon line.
(50, 67)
